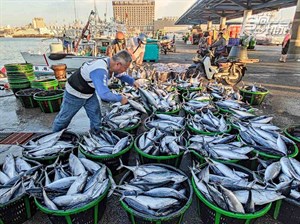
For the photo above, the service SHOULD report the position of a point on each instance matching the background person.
(118, 44)
(285, 46)
(136, 47)
(219, 45)
(80, 89)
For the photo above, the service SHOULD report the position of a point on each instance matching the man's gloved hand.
(124, 100)
(136, 84)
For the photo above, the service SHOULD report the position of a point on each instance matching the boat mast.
(75, 12)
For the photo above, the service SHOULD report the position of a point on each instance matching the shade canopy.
(211, 10)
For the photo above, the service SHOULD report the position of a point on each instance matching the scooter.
(167, 46)
(228, 72)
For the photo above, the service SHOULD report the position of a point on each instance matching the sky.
(58, 12)
(21, 12)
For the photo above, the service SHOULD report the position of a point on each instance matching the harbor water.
(11, 48)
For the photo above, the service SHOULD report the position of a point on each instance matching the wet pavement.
(283, 103)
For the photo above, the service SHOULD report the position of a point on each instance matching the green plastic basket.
(88, 214)
(17, 211)
(286, 131)
(49, 104)
(173, 160)
(62, 83)
(26, 97)
(254, 98)
(18, 67)
(15, 87)
(112, 161)
(181, 89)
(211, 214)
(46, 84)
(136, 217)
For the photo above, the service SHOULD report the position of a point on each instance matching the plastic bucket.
(136, 217)
(112, 161)
(173, 160)
(26, 97)
(49, 101)
(46, 84)
(59, 71)
(254, 98)
(64, 156)
(91, 213)
(211, 214)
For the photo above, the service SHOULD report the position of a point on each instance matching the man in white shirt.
(136, 47)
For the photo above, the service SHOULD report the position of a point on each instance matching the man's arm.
(126, 78)
(99, 77)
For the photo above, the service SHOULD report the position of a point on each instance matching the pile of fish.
(232, 188)
(191, 83)
(16, 176)
(166, 123)
(76, 184)
(157, 143)
(155, 190)
(266, 140)
(234, 104)
(141, 72)
(207, 122)
(254, 89)
(49, 145)
(264, 122)
(170, 67)
(104, 142)
(283, 176)
(159, 100)
(221, 92)
(219, 147)
(197, 96)
(195, 106)
(123, 116)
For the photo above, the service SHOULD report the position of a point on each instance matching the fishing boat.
(73, 61)
(76, 52)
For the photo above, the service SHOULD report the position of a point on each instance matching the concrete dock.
(283, 103)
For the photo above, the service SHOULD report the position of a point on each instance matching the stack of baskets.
(19, 76)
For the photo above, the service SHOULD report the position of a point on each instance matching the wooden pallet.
(17, 138)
